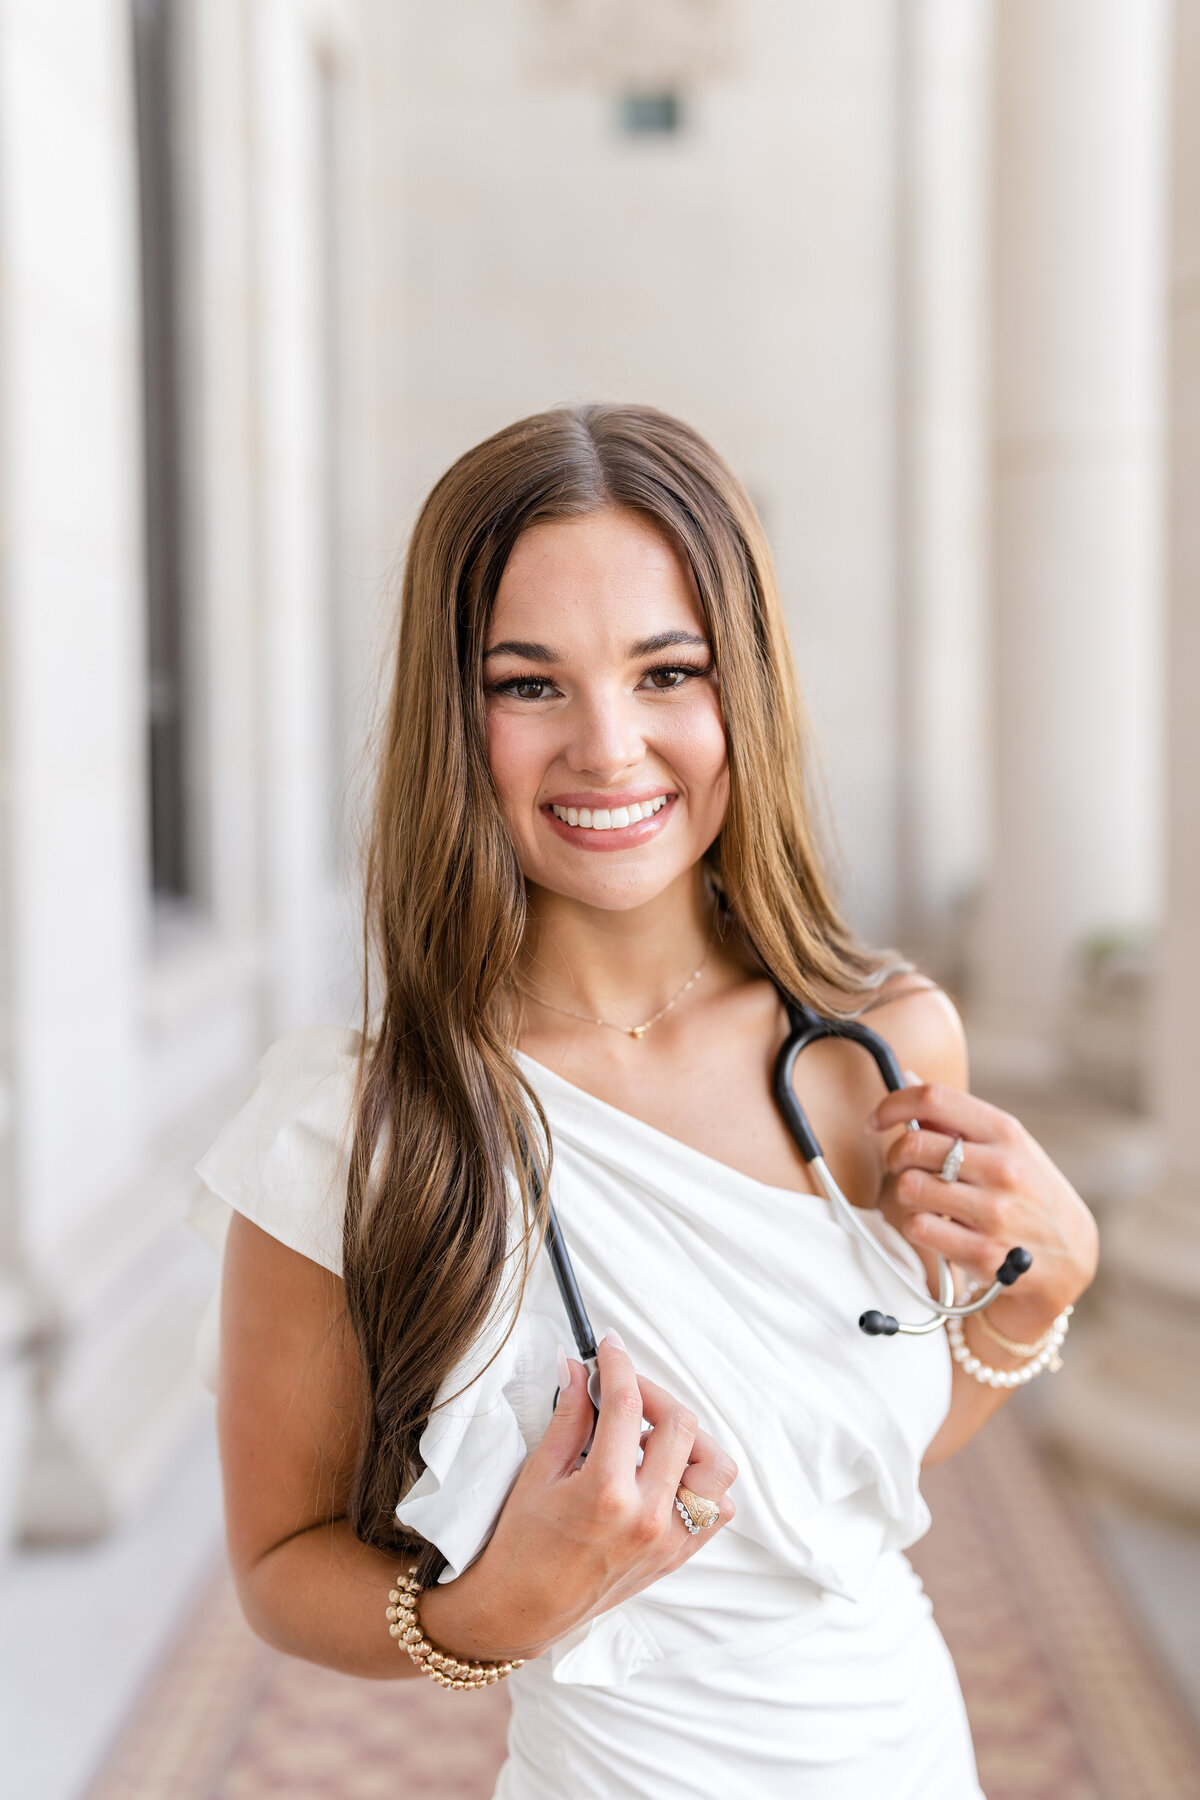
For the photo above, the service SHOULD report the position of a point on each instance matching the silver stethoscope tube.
(941, 1309)
(806, 1027)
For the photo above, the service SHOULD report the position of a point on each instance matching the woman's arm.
(289, 1405)
(570, 1542)
(1008, 1192)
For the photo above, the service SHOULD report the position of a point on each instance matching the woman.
(592, 877)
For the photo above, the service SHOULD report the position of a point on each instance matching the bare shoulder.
(922, 1024)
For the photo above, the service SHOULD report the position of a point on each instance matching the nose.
(606, 736)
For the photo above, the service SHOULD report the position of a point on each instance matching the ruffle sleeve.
(283, 1158)
(282, 1161)
(473, 1448)
(489, 1412)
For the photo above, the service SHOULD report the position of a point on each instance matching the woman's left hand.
(1007, 1192)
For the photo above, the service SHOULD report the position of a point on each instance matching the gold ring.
(696, 1512)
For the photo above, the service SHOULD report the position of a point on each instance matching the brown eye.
(672, 675)
(522, 687)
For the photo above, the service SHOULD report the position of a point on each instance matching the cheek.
(698, 753)
(514, 761)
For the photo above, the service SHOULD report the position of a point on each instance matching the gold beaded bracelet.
(405, 1625)
(1014, 1349)
(1047, 1356)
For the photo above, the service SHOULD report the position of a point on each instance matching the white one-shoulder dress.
(795, 1655)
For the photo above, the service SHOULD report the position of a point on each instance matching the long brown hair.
(442, 1112)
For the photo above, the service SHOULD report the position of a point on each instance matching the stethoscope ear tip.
(877, 1324)
(1014, 1265)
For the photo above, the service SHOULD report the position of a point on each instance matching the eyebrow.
(539, 653)
(649, 646)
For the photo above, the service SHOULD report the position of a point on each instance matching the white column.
(1127, 1402)
(74, 695)
(1079, 107)
(96, 1169)
(121, 1050)
(296, 457)
(942, 458)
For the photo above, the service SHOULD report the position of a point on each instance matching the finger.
(958, 1243)
(671, 1442)
(938, 1107)
(922, 1150)
(570, 1426)
(712, 1471)
(670, 1449)
(726, 1510)
(619, 1422)
(656, 1401)
(658, 1406)
(982, 1166)
(711, 1465)
(977, 1206)
(709, 1478)
(703, 1447)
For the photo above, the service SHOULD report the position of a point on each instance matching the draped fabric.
(797, 1643)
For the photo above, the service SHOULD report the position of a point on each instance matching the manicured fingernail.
(564, 1369)
(615, 1338)
(911, 1078)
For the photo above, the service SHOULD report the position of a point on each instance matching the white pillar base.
(15, 1405)
(1125, 1405)
(116, 1387)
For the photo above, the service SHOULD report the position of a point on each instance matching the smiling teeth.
(614, 820)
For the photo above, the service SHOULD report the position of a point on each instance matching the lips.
(626, 820)
(609, 818)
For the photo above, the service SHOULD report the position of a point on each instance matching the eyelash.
(511, 683)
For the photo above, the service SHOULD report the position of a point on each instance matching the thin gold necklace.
(633, 1031)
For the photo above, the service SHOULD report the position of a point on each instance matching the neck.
(617, 965)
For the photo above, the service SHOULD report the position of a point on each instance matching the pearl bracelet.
(1047, 1356)
(404, 1624)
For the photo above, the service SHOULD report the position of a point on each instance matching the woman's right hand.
(575, 1539)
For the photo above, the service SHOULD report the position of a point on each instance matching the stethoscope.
(807, 1027)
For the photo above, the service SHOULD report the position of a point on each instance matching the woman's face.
(604, 726)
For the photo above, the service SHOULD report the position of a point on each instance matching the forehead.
(608, 575)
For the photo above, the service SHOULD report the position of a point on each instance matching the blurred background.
(927, 272)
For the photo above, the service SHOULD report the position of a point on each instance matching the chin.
(607, 891)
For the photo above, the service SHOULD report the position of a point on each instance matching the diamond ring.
(953, 1163)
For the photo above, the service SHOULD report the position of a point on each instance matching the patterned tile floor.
(1066, 1701)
